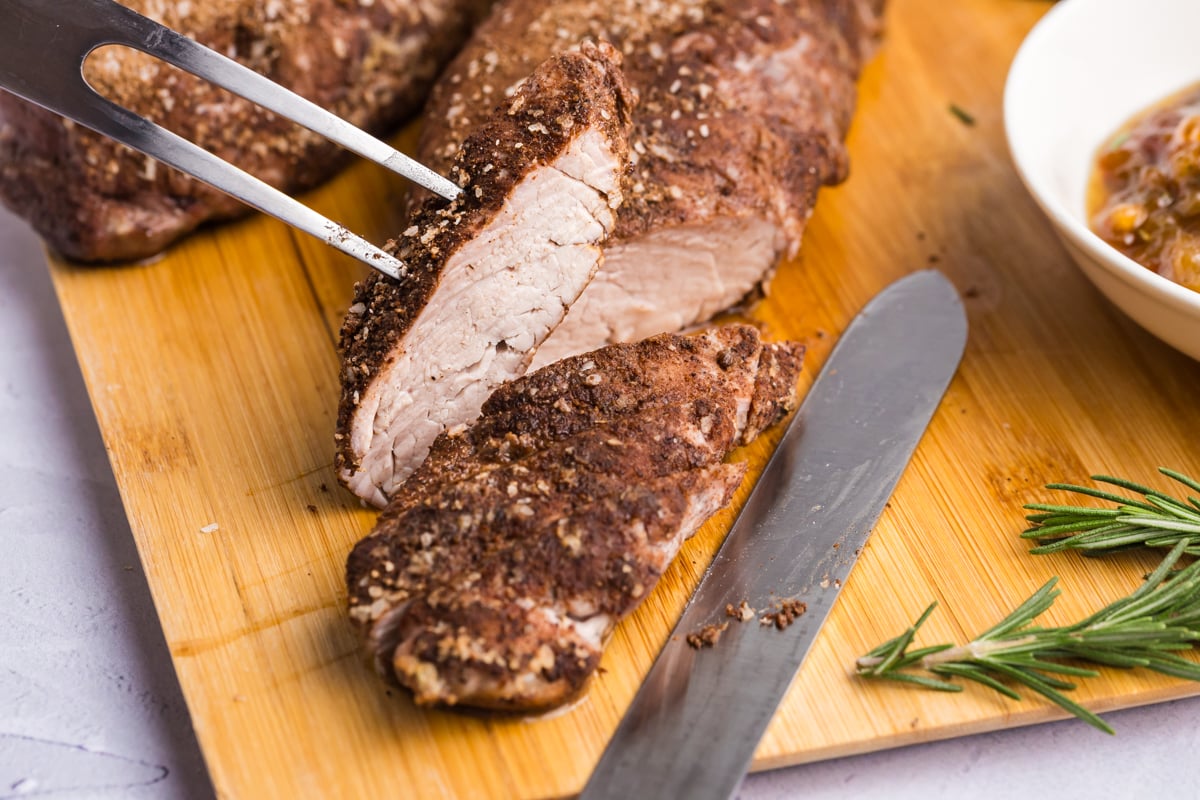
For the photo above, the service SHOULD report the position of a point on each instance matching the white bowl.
(1086, 68)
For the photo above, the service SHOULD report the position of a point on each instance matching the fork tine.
(132, 29)
(104, 116)
(203, 62)
(169, 148)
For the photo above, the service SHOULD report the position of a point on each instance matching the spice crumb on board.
(211, 527)
(789, 611)
(706, 636)
(742, 612)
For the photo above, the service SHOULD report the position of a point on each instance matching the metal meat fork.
(44, 44)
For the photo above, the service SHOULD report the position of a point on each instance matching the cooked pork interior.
(491, 274)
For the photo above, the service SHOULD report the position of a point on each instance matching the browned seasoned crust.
(568, 494)
(743, 103)
(777, 370)
(585, 549)
(566, 95)
(94, 200)
(631, 381)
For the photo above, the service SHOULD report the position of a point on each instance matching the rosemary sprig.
(1146, 629)
(1157, 520)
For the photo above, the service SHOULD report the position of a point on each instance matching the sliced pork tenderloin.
(744, 107)
(499, 569)
(489, 275)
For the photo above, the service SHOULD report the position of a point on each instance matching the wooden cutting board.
(214, 378)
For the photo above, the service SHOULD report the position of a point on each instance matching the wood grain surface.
(214, 377)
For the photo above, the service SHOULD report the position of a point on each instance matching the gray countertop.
(90, 706)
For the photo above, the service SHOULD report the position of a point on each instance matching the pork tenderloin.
(744, 105)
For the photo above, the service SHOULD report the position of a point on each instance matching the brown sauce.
(1144, 195)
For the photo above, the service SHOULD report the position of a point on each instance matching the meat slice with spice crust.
(743, 108)
(499, 569)
(489, 275)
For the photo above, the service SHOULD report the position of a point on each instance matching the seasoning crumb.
(789, 611)
(963, 116)
(324, 488)
(706, 636)
(211, 527)
(312, 509)
(742, 613)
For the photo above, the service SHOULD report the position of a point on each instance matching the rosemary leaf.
(1042, 599)
(971, 672)
(1184, 479)
(926, 682)
(1097, 493)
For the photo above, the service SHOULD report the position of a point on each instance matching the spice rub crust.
(582, 90)
(499, 569)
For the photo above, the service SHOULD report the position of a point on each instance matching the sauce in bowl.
(1144, 196)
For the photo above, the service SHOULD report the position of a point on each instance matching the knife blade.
(696, 721)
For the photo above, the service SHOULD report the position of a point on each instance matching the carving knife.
(695, 723)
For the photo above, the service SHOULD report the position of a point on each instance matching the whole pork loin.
(489, 275)
(95, 200)
(499, 569)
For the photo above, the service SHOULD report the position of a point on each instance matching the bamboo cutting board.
(214, 378)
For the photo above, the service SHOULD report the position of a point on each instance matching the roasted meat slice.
(489, 275)
(740, 119)
(743, 108)
(93, 199)
(496, 573)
